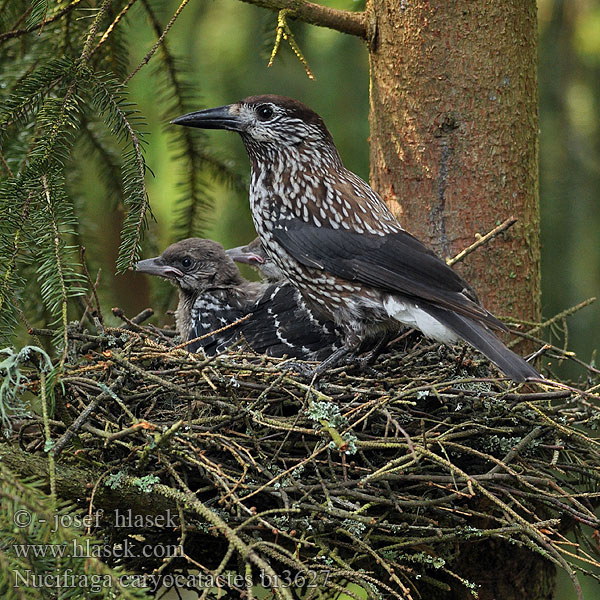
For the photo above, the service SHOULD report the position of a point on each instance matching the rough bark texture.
(75, 483)
(454, 135)
(454, 152)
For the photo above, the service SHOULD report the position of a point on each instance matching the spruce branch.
(57, 119)
(107, 160)
(6, 14)
(26, 100)
(111, 28)
(87, 47)
(85, 574)
(57, 269)
(5, 165)
(120, 119)
(179, 97)
(36, 15)
(114, 53)
(31, 29)
(160, 41)
(40, 183)
(344, 21)
(56, 245)
(10, 284)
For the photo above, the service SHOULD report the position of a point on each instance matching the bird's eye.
(264, 112)
(186, 262)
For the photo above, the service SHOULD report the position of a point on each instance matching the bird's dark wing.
(282, 324)
(395, 262)
(209, 315)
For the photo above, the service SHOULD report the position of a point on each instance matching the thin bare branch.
(19, 32)
(158, 42)
(482, 239)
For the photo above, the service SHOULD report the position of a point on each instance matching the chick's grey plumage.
(213, 294)
(336, 240)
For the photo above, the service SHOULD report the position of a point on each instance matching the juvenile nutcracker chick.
(338, 243)
(213, 294)
(254, 255)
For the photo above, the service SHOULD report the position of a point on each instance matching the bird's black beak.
(157, 266)
(211, 118)
(241, 255)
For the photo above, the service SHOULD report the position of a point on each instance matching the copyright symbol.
(22, 518)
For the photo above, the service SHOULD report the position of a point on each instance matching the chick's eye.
(264, 112)
(186, 262)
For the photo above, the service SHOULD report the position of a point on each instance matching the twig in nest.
(135, 321)
(215, 332)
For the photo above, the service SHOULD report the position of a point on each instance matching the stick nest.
(380, 479)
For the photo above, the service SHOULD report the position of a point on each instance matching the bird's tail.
(481, 338)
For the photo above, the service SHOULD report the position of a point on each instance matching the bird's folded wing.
(281, 325)
(397, 263)
(207, 322)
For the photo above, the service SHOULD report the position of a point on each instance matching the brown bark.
(454, 135)
(454, 152)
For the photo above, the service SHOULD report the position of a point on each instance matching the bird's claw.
(363, 364)
(306, 372)
(367, 369)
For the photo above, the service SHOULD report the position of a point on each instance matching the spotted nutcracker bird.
(213, 294)
(254, 255)
(339, 244)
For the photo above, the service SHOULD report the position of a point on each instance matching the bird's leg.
(310, 374)
(335, 359)
(370, 357)
(330, 362)
(303, 370)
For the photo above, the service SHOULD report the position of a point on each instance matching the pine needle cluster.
(40, 552)
(65, 69)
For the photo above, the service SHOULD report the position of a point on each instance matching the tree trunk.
(454, 129)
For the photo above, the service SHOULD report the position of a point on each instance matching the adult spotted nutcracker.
(213, 294)
(339, 244)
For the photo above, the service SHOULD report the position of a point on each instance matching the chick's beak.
(241, 255)
(212, 118)
(156, 266)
